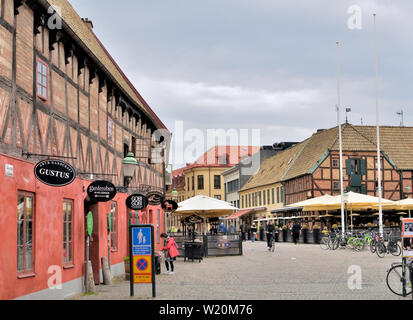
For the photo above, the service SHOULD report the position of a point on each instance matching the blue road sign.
(141, 241)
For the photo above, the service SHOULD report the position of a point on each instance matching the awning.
(289, 209)
(241, 213)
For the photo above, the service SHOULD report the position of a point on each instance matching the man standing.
(253, 232)
(296, 231)
(270, 234)
(243, 230)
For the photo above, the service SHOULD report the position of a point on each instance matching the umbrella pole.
(351, 215)
(409, 213)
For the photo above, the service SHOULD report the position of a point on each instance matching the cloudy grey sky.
(263, 64)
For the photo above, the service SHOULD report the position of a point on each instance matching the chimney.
(88, 22)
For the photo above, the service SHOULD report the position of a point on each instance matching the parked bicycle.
(392, 247)
(399, 278)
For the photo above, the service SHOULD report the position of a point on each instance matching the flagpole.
(378, 133)
(340, 141)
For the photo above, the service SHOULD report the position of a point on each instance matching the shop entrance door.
(94, 255)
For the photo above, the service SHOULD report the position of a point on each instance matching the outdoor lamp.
(174, 195)
(129, 165)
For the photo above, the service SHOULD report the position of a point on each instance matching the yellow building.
(264, 191)
(203, 177)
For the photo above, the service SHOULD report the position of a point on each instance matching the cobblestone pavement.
(291, 272)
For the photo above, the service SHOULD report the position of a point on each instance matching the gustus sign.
(55, 173)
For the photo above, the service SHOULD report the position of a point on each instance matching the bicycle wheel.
(395, 249)
(324, 243)
(350, 243)
(333, 244)
(373, 246)
(394, 280)
(381, 249)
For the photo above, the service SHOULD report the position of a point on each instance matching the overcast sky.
(262, 64)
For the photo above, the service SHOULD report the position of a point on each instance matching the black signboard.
(55, 173)
(137, 202)
(169, 205)
(101, 191)
(193, 219)
(155, 198)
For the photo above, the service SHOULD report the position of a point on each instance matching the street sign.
(137, 202)
(55, 173)
(89, 223)
(101, 191)
(141, 248)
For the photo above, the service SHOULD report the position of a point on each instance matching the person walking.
(296, 231)
(253, 232)
(270, 234)
(170, 249)
(243, 231)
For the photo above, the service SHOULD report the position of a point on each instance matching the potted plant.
(304, 229)
(316, 233)
(285, 233)
(126, 262)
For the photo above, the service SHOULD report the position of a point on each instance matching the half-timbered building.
(63, 96)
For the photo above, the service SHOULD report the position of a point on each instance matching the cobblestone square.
(298, 272)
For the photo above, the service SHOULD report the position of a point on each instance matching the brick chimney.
(88, 22)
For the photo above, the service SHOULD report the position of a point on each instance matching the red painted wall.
(48, 229)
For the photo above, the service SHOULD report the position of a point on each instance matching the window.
(249, 200)
(193, 183)
(110, 131)
(336, 185)
(41, 80)
(217, 182)
(272, 196)
(25, 215)
(188, 183)
(67, 232)
(114, 221)
(134, 146)
(335, 163)
(268, 196)
(201, 182)
(242, 201)
(278, 195)
(263, 198)
(260, 198)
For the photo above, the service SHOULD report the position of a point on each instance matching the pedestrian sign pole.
(142, 257)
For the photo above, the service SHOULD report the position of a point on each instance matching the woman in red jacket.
(171, 252)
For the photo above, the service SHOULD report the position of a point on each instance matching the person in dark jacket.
(243, 229)
(296, 232)
(253, 232)
(270, 234)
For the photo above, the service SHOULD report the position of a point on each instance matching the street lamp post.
(345, 200)
(129, 165)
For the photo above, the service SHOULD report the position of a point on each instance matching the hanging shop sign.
(55, 173)
(101, 191)
(155, 198)
(193, 219)
(137, 202)
(169, 205)
(89, 223)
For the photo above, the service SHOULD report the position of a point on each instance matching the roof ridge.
(360, 133)
(297, 156)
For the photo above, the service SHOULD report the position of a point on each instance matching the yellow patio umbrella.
(311, 202)
(405, 204)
